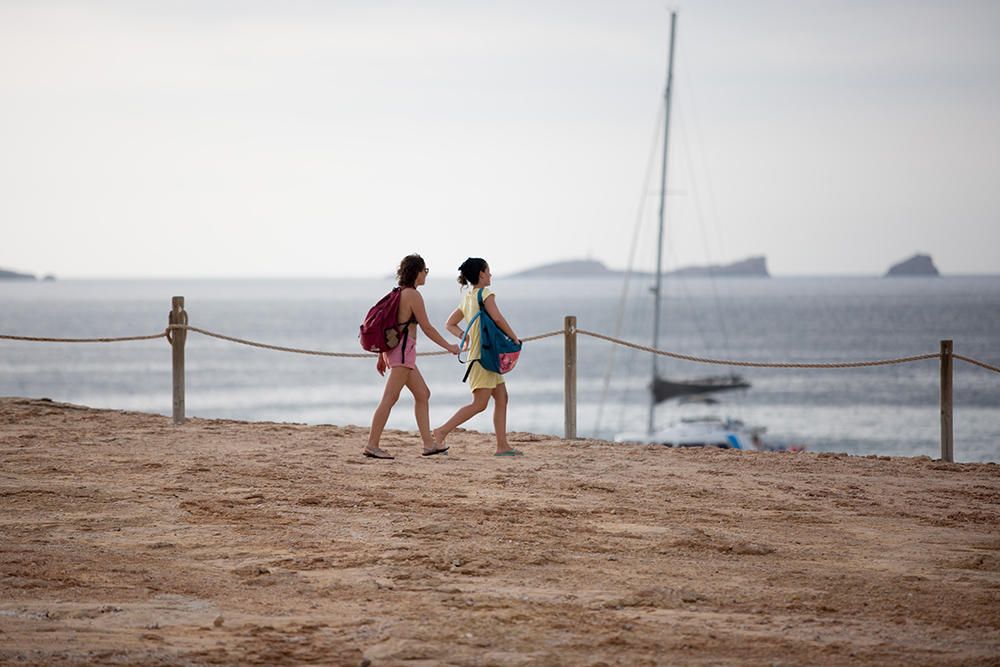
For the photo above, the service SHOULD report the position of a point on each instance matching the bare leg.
(500, 417)
(421, 407)
(393, 385)
(480, 399)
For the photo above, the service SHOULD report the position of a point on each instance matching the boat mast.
(659, 239)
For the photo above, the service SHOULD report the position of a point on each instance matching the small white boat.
(701, 432)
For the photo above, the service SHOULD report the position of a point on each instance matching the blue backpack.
(497, 351)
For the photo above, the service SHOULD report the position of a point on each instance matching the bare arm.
(493, 311)
(420, 313)
(452, 324)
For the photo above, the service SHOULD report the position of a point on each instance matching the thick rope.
(37, 339)
(977, 363)
(549, 334)
(295, 350)
(755, 364)
(544, 335)
(279, 348)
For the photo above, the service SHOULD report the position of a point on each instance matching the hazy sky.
(291, 138)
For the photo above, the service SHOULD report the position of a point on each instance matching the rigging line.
(702, 224)
(713, 217)
(631, 356)
(687, 295)
(629, 402)
(686, 147)
(632, 314)
(654, 145)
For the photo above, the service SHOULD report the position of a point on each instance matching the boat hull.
(664, 390)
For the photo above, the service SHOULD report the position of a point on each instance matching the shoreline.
(129, 539)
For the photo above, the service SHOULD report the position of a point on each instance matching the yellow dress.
(479, 377)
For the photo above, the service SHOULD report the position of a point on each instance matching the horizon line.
(613, 273)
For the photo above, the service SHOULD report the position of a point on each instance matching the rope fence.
(320, 353)
(977, 363)
(758, 364)
(178, 327)
(549, 334)
(123, 339)
(233, 339)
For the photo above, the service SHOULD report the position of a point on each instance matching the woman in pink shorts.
(402, 362)
(397, 356)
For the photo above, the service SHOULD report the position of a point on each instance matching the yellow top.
(479, 377)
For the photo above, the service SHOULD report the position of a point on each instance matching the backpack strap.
(461, 344)
(406, 331)
(465, 334)
(406, 336)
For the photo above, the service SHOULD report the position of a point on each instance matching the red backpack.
(381, 332)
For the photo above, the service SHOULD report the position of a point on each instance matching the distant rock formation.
(576, 268)
(13, 275)
(752, 266)
(590, 268)
(918, 265)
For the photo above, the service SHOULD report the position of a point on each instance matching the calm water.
(890, 410)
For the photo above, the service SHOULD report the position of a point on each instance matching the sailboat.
(710, 431)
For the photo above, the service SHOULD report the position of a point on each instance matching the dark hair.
(468, 273)
(409, 268)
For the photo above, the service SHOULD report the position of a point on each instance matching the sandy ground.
(127, 540)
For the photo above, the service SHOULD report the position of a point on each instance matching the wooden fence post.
(569, 373)
(947, 433)
(177, 339)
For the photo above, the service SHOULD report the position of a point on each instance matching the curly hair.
(468, 273)
(409, 268)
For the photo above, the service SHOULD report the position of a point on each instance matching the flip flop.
(510, 452)
(439, 450)
(378, 454)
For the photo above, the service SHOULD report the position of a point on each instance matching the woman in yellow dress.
(475, 272)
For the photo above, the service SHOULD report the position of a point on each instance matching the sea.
(887, 410)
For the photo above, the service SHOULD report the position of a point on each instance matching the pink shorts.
(394, 357)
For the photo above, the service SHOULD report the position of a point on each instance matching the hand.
(380, 365)
(453, 348)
